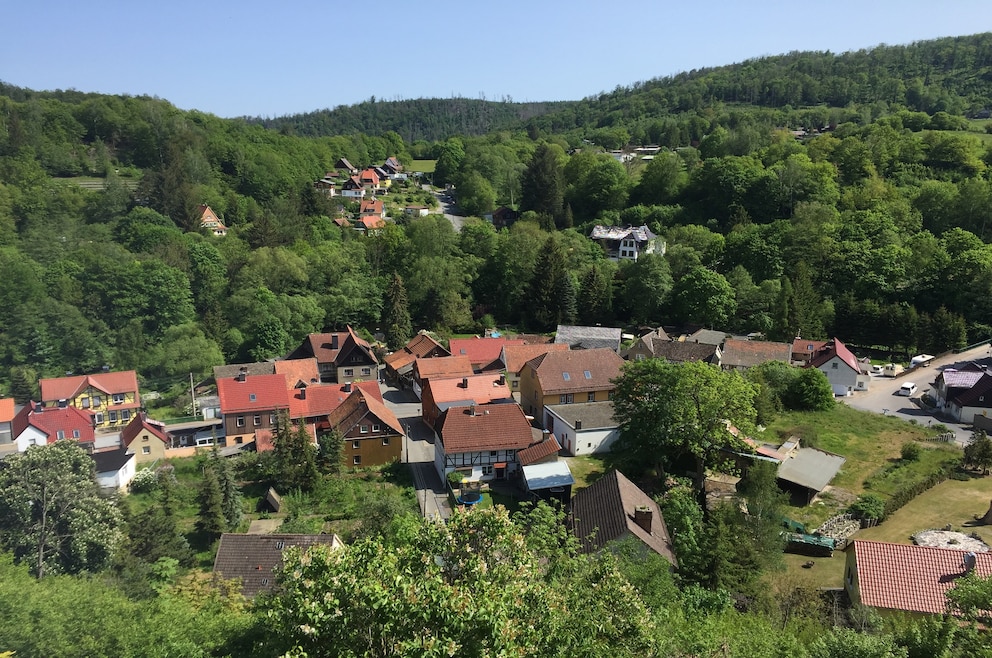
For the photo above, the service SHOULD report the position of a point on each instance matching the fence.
(946, 437)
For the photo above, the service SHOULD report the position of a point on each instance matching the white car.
(908, 389)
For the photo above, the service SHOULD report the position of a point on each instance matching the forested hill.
(429, 119)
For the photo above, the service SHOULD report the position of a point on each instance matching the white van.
(907, 389)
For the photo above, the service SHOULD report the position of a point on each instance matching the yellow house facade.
(145, 438)
(111, 399)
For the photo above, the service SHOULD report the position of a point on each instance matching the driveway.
(418, 452)
(450, 211)
(882, 396)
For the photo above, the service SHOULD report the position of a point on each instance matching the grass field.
(586, 470)
(425, 166)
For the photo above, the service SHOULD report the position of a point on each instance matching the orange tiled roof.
(910, 578)
(256, 393)
(567, 371)
(66, 388)
(443, 367)
(298, 370)
(515, 356)
(481, 351)
(480, 388)
(6, 410)
(493, 427)
(539, 451)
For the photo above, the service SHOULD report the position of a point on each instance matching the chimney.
(39, 407)
(502, 380)
(471, 410)
(347, 387)
(334, 341)
(464, 382)
(578, 425)
(970, 561)
(642, 517)
(303, 393)
(242, 374)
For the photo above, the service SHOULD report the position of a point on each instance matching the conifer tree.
(551, 293)
(396, 323)
(595, 300)
(211, 521)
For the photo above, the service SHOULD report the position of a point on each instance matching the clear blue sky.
(275, 58)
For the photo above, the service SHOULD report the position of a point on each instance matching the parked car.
(908, 389)
(877, 370)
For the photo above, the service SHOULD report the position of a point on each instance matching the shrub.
(910, 452)
(868, 506)
(455, 478)
(145, 481)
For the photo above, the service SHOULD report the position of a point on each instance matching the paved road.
(418, 452)
(450, 210)
(882, 397)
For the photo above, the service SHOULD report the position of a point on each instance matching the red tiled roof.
(539, 451)
(52, 420)
(833, 348)
(399, 359)
(139, 423)
(806, 348)
(357, 406)
(482, 389)
(910, 578)
(66, 388)
(6, 410)
(369, 175)
(602, 364)
(419, 347)
(372, 222)
(493, 427)
(444, 366)
(263, 440)
(375, 206)
(321, 345)
(298, 370)
(515, 356)
(323, 399)
(481, 351)
(256, 393)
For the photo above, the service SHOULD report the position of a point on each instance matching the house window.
(251, 397)
(85, 403)
(363, 429)
(257, 420)
(367, 371)
(493, 453)
(566, 376)
(241, 421)
(97, 400)
(487, 470)
(280, 545)
(356, 444)
(145, 438)
(60, 435)
(357, 460)
(591, 396)
(118, 398)
(265, 581)
(272, 419)
(376, 428)
(125, 415)
(638, 357)
(146, 450)
(587, 374)
(98, 419)
(113, 416)
(349, 372)
(75, 434)
(385, 440)
(834, 365)
(65, 403)
(566, 398)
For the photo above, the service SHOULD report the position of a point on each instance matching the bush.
(455, 478)
(868, 506)
(145, 481)
(910, 452)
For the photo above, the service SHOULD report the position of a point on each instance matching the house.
(298, 372)
(252, 559)
(803, 350)
(502, 217)
(679, 352)
(588, 338)
(482, 352)
(548, 481)
(974, 402)
(372, 434)
(627, 242)
(313, 405)
(114, 468)
(416, 211)
(842, 368)
(646, 346)
(706, 337)
(952, 382)
(110, 398)
(905, 577)
(210, 221)
(369, 179)
(38, 425)
(392, 165)
(612, 509)
(481, 442)
(583, 429)
(327, 185)
(399, 364)
(442, 394)
(342, 356)
(353, 188)
(372, 208)
(145, 438)
(441, 367)
(251, 404)
(7, 412)
(743, 354)
(514, 357)
(370, 225)
(343, 163)
(567, 378)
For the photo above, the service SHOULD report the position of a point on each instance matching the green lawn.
(586, 470)
(425, 166)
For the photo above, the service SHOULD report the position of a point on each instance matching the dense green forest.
(873, 228)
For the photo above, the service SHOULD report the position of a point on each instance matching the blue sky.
(275, 58)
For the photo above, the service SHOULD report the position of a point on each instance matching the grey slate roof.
(231, 371)
(592, 415)
(604, 511)
(111, 461)
(253, 558)
(677, 352)
(708, 337)
(587, 338)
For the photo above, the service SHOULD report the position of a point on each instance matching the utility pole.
(192, 393)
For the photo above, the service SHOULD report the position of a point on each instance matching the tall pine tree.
(551, 292)
(595, 304)
(542, 187)
(396, 323)
(211, 521)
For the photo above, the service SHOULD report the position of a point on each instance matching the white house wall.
(30, 437)
(842, 379)
(585, 442)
